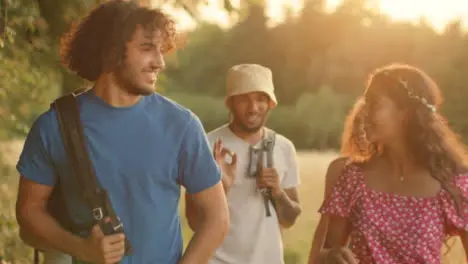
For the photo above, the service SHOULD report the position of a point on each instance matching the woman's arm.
(333, 173)
(336, 238)
(464, 239)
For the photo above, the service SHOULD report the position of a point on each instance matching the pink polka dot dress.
(394, 229)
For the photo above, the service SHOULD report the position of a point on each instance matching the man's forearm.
(287, 209)
(33, 241)
(226, 184)
(41, 231)
(206, 239)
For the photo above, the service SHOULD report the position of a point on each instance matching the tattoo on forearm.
(288, 210)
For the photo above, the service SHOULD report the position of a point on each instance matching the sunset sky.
(437, 12)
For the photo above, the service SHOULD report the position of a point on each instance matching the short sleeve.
(35, 162)
(343, 195)
(456, 221)
(197, 167)
(291, 178)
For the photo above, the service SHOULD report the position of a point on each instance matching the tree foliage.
(317, 49)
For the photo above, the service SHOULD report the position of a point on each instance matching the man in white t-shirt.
(253, 237)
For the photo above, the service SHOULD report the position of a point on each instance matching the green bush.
(292, 257)
(12, 249)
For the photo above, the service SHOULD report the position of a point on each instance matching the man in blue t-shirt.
(143, 147)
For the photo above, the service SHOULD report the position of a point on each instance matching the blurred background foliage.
(320, 61)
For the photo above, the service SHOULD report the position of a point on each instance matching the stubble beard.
(128, 83)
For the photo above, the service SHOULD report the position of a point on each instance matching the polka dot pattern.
(389, 228)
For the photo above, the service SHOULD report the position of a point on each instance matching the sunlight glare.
(437, 12)
(276, 8)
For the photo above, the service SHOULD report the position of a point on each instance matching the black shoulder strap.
(73, 139)
(68, 117)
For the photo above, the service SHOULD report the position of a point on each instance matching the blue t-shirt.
(141, 155)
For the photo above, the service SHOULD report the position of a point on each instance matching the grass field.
(297, 239)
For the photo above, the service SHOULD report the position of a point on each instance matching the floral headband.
(411, 95)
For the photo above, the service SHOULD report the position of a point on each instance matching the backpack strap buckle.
(97, 213)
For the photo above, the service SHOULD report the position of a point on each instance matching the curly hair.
(98, 41)
(427, 134)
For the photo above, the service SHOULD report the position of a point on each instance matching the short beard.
(247, 129)
(125, 82)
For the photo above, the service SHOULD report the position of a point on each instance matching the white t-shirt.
(253, 238)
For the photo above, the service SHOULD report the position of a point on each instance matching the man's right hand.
(100, 249)
(341, 255)
(228, 169)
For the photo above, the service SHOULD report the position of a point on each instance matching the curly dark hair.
(98, 41)
(434, 145)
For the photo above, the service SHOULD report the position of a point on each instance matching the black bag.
(96, 197)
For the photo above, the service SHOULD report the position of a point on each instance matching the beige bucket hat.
(247, 78)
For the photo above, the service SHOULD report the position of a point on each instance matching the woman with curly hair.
(399, 190)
